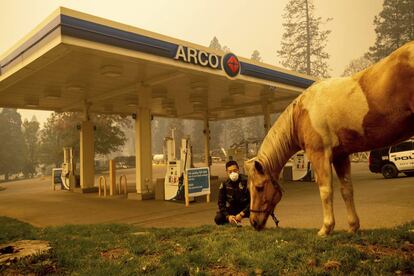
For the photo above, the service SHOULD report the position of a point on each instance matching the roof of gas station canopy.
(73, 58)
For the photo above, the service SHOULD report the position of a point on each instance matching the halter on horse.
(269, 211)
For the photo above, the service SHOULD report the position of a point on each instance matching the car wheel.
(389, 171)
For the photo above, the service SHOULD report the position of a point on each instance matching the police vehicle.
(391, 161)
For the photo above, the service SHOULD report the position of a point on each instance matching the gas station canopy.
(72, 60)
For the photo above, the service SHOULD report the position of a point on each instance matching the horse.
(330, 120)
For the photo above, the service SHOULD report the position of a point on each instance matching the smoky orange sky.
(241, 25)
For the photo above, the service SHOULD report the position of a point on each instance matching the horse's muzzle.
(256, 224)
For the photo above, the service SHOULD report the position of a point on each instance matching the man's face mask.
(234, 176)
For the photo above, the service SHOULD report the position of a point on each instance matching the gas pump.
(68, 169)
(175, 167)
(298, 168)
(301, 167)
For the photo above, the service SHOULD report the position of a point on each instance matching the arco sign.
(229, 63)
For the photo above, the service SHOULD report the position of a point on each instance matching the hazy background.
(243, 26)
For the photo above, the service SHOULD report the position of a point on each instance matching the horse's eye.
(259, 189)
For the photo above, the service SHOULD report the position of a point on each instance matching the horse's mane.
(279, 144)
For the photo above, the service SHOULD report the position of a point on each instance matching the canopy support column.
(143, 152)
(207, 158)
(87, 151)
(266, 114)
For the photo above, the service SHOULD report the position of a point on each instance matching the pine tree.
(256, 56)
(216, 128)
(252, 125)
(158, 130)
(356, 65)
(31, 138)
(12, 146)
(215, 44)
(304, 42)
(194, 128)
(394, 28)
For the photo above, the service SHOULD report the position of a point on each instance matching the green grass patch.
(13, 229)
(120, 249)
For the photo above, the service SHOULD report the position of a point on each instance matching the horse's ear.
(258, 167)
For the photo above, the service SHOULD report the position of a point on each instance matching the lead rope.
(275, 219)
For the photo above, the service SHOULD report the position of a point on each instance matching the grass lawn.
(121, 249)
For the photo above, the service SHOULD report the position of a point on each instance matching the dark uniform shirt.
(234, 197)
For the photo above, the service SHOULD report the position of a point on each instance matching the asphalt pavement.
(380, 203)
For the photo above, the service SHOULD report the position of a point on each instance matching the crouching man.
(234, 197)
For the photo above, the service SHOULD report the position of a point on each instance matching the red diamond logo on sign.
(233, 64)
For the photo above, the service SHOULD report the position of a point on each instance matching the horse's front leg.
(321, 162)
(342, 166)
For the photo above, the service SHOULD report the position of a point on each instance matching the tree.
(226, 49)
(177, 124)
(161, 128)
(217, 127)
(109, 136)
(252, 125)
(12, 146)
(234, 132)
(30, 134)
(227, 132)
(215, 44)
(394, 27)
(194, 128)
(356, 65)
(304, 42)
(216, 135)
(61, 130)
(158, 130)
(256, 56)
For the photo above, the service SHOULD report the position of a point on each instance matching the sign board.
(229, 62)
(197, 181)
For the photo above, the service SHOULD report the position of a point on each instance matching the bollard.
(112, 178)
(100, 184)
(125, 185)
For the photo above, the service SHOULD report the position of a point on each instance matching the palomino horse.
(330, 120)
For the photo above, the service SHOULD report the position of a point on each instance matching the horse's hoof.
(353, 228)
(326, 230)
(352, 231)
(322, 233)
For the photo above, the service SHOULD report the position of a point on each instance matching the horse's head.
(265, 193)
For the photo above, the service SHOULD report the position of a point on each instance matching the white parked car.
(392, 160)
